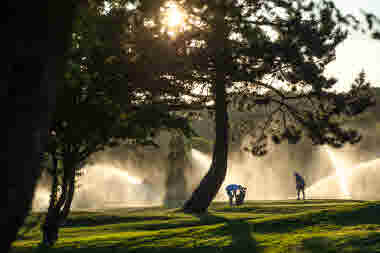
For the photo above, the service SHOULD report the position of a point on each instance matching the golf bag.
(241, 196)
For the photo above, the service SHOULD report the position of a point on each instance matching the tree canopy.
(269, 57)
(98, 106)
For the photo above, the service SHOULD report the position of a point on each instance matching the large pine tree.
(269, 57)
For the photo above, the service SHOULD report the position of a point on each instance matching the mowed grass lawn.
(257, 226)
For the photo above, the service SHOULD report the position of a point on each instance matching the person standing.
(300, 185)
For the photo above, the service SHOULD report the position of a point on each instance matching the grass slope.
(312, 226)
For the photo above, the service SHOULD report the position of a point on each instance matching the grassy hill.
(312, 226)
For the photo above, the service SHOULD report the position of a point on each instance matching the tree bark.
(48, 235)
(37, 37)
(52, 222)
(59, 210)
(70, 196)
(211, 183)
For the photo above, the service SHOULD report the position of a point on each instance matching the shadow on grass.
(283, 207)
(270, 209)
(367, 214)
(239, 230)
(357, 244)
(236, 230)
(367, 243)
(30, 223)
(242, 239)
(318, 245)
(99, 220)
(142, 222)
(163, 222)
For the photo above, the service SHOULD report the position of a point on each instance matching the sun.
(174, 16)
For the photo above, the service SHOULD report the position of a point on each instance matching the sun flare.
(175, 16)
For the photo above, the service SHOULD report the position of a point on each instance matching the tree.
(83, 129)
(373, 23)
(210, 184)
(34, 63)
(96, 108)
(269, 57)
(34, 68)
(40, 57)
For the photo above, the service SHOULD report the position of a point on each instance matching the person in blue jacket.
(300, 185)
(232, 190)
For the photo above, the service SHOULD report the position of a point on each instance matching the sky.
(359, 51)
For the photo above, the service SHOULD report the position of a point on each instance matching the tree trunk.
(37, 38)
(70, 196)
(51, 224)
(48, 235)
(54, 185)
(211, 183)
(59, 210)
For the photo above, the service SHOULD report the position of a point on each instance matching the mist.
(107, 186)
(354, 177)
(267, 178)
(137, 177)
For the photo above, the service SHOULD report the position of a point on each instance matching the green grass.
(312, 226)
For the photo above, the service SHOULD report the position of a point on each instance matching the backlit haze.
(359, 51)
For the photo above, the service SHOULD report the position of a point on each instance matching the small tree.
(96, 108)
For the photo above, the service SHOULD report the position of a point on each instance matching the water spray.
(347, 180)
(201, 158)
(340, 172)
